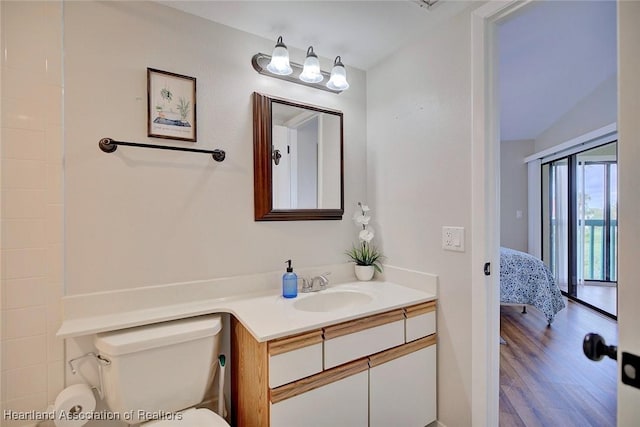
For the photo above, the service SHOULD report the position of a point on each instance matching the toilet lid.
(191, 418)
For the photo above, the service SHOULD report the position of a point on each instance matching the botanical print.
(172, 112)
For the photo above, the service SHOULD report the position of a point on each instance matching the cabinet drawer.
(293, 358)
(421, 321)
(352, 340)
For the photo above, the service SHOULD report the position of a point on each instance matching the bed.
(524, 279)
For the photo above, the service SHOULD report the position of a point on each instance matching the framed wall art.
(171, 105)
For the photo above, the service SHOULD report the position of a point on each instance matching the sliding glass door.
(555, 224)
(580, 227)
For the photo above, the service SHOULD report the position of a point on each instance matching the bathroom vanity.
(375, 370)
(354, 354)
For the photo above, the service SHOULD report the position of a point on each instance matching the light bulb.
(338, 79)
(280, 60)
(311, 71)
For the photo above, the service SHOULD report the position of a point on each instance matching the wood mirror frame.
(262, 164)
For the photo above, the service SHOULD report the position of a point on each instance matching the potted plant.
(183, 108)
(365, 254)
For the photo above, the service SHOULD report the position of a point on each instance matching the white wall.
(514, 194)
(596, 110)
(136, 217)
(31, 197)
(329, 184)
(418, 168)
(307, 147)
(145, 217)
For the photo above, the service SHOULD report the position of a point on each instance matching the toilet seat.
(191, 418)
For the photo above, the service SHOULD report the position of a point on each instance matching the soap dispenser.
(289, 282)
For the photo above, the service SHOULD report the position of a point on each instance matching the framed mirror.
(297, 160)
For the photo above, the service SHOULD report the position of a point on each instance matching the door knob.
(595, 348)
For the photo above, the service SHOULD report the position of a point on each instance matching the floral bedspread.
(524, 279)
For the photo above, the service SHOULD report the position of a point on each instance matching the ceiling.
(552, 54)
(362, 32)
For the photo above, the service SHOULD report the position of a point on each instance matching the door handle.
(276, 156)
(595, 348)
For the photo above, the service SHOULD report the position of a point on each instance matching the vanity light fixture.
(311, 71)
(309, 74)
(279, 64)
(338, 80)
(427, 4)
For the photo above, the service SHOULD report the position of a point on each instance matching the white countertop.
(272, 316)
(266, 316)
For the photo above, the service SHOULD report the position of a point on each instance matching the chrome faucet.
(309, 285)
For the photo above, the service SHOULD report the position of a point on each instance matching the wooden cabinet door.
(402, 386)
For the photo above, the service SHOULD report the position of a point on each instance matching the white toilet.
(160, 370)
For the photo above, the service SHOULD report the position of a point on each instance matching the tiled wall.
(31, 151)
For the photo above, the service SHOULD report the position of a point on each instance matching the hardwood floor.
(604, 297)
(545, 380)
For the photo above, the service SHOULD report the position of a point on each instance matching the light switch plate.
(453, 238)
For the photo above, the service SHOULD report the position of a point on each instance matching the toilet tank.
(159, 368)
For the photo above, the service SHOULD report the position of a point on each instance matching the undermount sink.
(327, 301)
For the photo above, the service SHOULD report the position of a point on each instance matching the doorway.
(486, 138)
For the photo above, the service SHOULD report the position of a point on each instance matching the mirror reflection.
(305, 158)
(297, 159)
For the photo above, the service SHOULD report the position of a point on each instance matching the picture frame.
(171, 105)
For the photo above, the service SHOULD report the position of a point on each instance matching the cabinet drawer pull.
(417, 310)
(396, 352)
(362, 324)
(285, 345)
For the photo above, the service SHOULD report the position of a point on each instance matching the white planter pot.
(364, 272)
